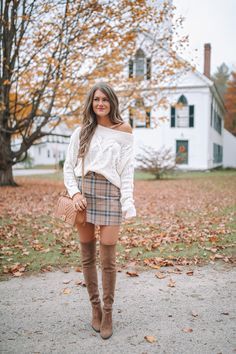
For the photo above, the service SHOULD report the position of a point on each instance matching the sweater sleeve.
(70, 181)
(127, 181)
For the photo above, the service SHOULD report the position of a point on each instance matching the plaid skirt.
(103, 199)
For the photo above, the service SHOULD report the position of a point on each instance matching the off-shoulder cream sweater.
(111, 154)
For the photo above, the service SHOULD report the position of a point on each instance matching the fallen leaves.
(66, 291)
(171, 283)
(173, 215)
(16, 269)
(160, 275)
(194, 313)
(150, 339)
(80, 282)
(132, 273)
(187, 330)
(158, 261)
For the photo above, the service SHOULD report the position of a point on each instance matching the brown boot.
(108, 265)
(88, 257)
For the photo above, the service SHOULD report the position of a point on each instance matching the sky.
(209, 21)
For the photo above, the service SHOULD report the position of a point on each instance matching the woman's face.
(101, 104)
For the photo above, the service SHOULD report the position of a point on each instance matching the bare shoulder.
(125, 127)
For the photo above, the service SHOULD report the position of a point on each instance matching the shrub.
(157, 162)
(61, 164)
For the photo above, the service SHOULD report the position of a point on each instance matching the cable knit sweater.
(110, 154)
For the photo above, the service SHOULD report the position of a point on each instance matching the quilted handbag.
(65, 210)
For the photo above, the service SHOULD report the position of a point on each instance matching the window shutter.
(191, 116)
(148, 118)
(172, 123)
(211, 113)
(131, 68)
(148, 68)
(131, 120)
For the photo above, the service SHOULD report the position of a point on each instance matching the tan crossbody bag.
(65, 210)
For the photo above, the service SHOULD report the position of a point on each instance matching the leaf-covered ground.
(179, 221)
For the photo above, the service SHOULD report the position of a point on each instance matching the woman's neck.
(105, 121)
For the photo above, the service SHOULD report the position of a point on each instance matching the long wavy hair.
(89, 121)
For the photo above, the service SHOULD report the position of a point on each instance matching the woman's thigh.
(86, 232)
(109, 234)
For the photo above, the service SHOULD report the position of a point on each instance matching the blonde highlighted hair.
(89, 121)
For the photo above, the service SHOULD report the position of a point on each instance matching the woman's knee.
(109, 234)
(86, 232)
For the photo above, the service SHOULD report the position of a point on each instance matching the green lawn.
(58, 175)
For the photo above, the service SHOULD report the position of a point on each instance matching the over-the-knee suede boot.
(88, 257)
(108, 265)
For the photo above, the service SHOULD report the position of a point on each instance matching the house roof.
(207, 82)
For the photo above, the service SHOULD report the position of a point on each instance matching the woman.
(106, 143)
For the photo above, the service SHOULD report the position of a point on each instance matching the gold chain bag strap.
(65, 210)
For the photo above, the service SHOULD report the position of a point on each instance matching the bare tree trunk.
(6, 161)
(6, 177)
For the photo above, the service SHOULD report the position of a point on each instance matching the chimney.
(207, 60)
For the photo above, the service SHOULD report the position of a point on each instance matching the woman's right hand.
(80, 202)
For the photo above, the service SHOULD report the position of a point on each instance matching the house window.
(140, 116)
(182, 115)
(139, 64)
(48, 153)
(217, 153)
(181, 151)
(217, 122)
(140, 67)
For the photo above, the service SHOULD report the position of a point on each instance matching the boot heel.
(96, 317)
(106, 329)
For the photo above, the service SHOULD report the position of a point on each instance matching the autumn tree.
(221, 77)
(52, 51)
(230, 102)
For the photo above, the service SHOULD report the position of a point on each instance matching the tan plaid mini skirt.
(103, 199)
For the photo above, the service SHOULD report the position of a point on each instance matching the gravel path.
(37, 317)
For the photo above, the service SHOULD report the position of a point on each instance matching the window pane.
(182, 117)
(140, 67)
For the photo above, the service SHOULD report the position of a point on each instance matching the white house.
(194, 128)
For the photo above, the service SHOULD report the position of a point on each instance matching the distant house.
(194, 128)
